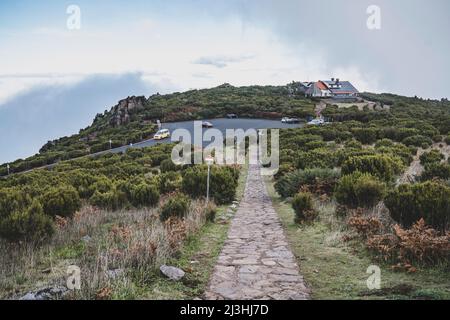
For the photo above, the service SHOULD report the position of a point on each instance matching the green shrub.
(194, 181)
(11, 200)
(429, 200)
(63, 201)
(382, 166)
(82, 181)
(177, 206)
(359, 190)
(169, 182)
(447, 139)
(168, 165)
(144, 195)
(365, 135)
(353, 144)
(316, 180)
(284, 169)
(384, 143)
(417, 141)
(436, 170)
(317, 158)
(303, 207)
(314, 145)
(434, 156)
(404, 133)
(111, 200)
(29, 225)
(223, 182)
(102, 185)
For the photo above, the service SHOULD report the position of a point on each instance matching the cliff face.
(122, 111)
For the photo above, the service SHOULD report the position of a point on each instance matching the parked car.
(207, 124)
(289, 120)
(317, 122)
(162, 134)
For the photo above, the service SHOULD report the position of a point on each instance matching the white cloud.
(163, 50)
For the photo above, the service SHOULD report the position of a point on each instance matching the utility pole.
(209, 161)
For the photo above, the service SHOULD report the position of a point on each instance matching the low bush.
(382, 166)
(436, 170)
(168, 165)
(384, 143)
(447, 139)
(169, 182)
(316, 180)
(437, 138)
(317, 158)
(303, 207)
(417, 141)
(359, 190)
(144, 195)
(61, 201)
(365, 135)
(102, 185)
(11, 200)
(223, 182)
(420, 244)
(177, 206)
(353, 144)
(434, 156)
(30, 224)
(111, 200)
(365, 226)
(429, 200)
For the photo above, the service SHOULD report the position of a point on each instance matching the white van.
(162, 134)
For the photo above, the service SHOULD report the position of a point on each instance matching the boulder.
(48, 293)
(172, 273)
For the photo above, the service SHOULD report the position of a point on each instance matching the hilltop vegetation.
(134, 119)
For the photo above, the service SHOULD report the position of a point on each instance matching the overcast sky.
(139, 47)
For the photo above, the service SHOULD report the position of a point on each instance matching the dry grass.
(134, 242)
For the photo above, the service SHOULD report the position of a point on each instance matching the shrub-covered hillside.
(134, 118)
(30, 203)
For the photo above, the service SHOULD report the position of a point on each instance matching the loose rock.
(172, 273)
(47, 293)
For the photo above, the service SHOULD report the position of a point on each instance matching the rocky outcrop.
(122, 111)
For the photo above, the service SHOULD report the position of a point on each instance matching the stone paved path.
(256, 262)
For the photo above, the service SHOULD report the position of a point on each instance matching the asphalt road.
(221, 124)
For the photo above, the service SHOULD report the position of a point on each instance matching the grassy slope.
(337, 270)
(203, 249)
